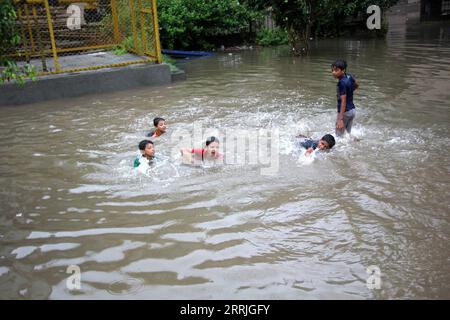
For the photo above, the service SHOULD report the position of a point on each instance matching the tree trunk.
(299, 40)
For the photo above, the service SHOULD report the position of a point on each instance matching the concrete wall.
(82, 83)
(432, 10)
(413, 10)
(405, 11)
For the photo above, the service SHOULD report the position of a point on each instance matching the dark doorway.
(434, 10)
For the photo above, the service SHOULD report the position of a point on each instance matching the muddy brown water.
(68, 194)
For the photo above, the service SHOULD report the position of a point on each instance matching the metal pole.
(39, 40)
(30, 32)
(156, 32)
(133, 26)
(143, 31)
(52, 35)
(24, 39)
(115, 21)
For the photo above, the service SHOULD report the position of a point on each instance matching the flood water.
(69, 196)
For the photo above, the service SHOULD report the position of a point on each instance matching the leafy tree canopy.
(301, 18)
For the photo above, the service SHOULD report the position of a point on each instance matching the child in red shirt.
(160, 128)
(211, 152)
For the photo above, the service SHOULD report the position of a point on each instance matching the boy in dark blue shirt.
(327, 142)
(345, 87)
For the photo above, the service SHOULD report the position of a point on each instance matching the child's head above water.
(327, 142)
(147, 148)
(212, 146)
(338, 68)
(160, 124)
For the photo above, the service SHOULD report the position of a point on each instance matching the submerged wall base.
(68, 85)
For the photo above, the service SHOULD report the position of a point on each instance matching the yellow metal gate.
(75, 35)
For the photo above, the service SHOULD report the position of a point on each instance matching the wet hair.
(157, 120)
(144, 143)
(329, 139)
(211, 139)
(340, 64)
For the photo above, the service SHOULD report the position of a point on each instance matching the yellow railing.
(59, 35)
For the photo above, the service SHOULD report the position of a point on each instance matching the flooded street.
(69, 195)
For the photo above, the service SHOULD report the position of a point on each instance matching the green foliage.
(171, 62)
(128, 42)
(119, 50)
(168, 59)
(8, 30)
(189, 24)
(11, 72)
(301, 18)
(125, 27)
(9, 39)
(194, 24)
(271, 37)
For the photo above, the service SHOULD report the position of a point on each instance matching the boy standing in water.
(345, 87)
(160, 128)
(147, 153)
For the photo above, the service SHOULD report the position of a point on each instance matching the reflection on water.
(69, 196)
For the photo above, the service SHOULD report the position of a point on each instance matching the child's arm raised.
(186, 156)
(185, 150)
(309, 151)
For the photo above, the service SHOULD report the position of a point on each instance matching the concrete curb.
(70, 85)
(179, 75)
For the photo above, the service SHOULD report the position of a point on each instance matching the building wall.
(422, 10)
(434, 10)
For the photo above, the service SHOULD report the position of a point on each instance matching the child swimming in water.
(147, 153)
(325, 143)
(160, 128)
(211, 152)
